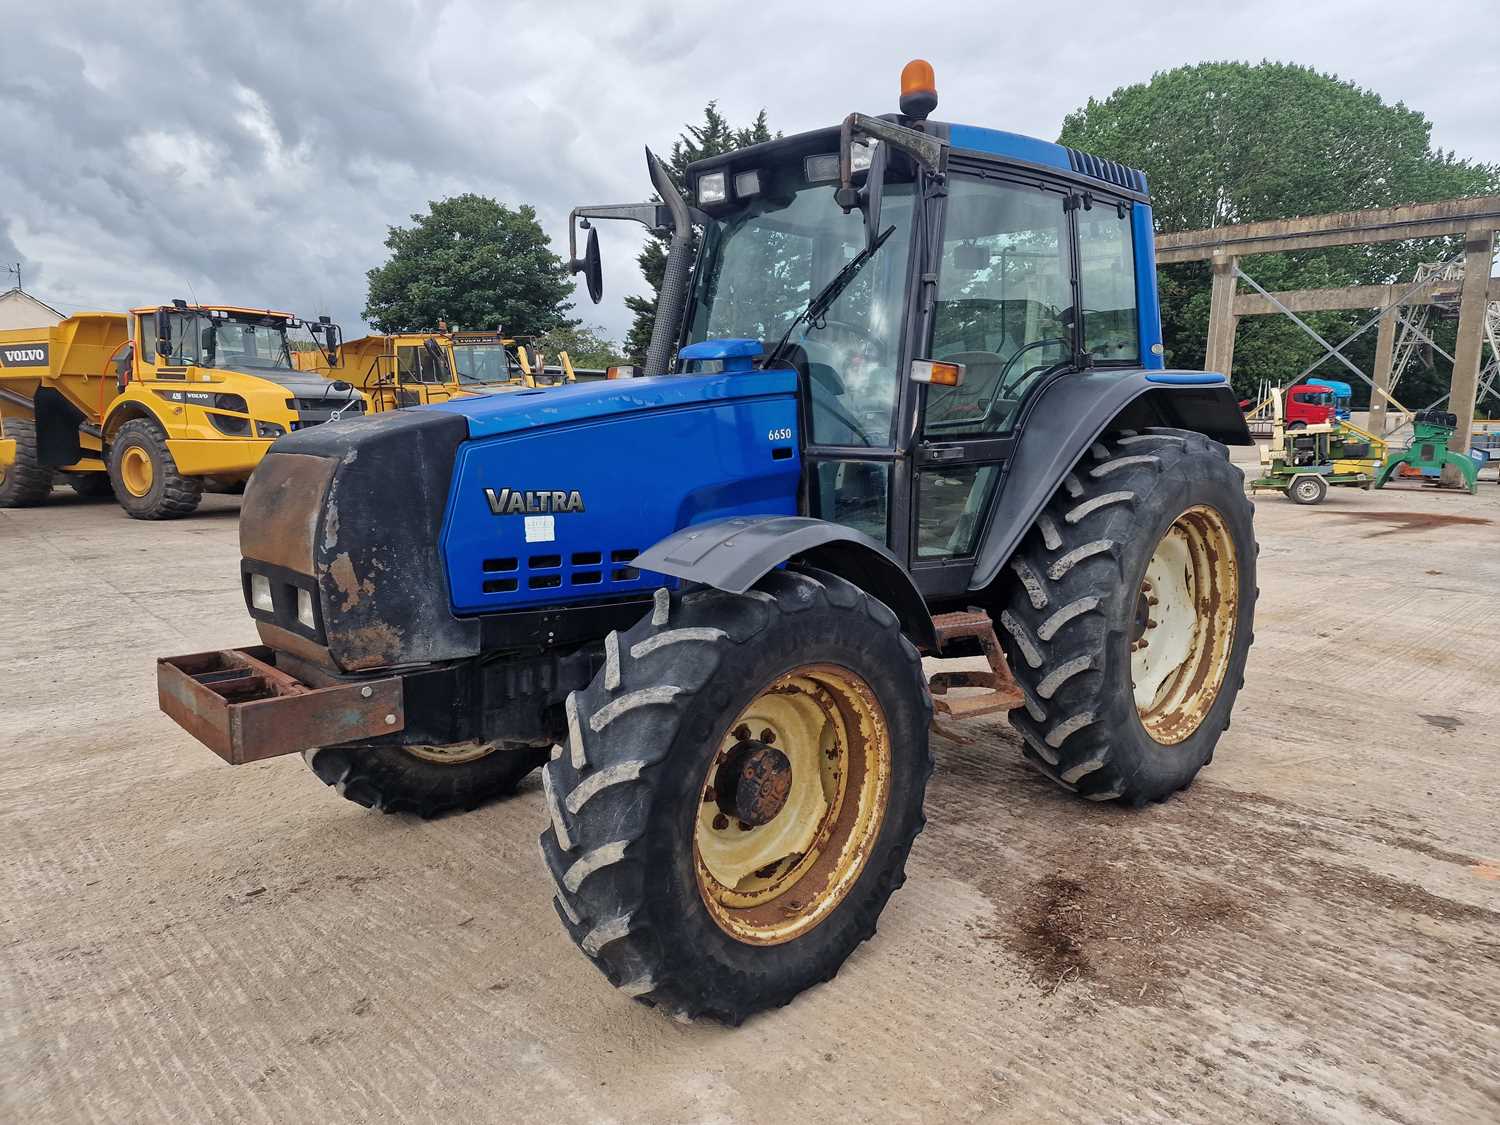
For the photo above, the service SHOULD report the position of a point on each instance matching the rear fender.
(734, 554)
(1070, 414)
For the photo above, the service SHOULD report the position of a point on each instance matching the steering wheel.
(1004, 383)
(843, 416)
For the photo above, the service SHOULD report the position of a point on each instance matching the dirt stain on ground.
(1402, 522)
(1123, 904)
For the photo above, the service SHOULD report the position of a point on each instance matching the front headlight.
(305, 609)
(268, 429)
(260, 594)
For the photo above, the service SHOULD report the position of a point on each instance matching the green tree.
(710, 137)
(586, 345)
(475, 263)
(1230, 142)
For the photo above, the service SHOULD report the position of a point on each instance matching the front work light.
(260, 594)
(711, 188)
(936, 372)
(819, 169)
(746, 184)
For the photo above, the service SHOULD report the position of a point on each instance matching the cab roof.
(220, 308)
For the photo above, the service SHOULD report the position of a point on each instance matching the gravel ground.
(1310, 933)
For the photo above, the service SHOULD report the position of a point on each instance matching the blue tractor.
(917, 407)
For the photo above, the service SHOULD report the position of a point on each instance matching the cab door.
(1019, 260)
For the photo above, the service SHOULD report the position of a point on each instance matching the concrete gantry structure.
(1475, 219)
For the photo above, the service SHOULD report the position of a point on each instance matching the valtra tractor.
(918, 406)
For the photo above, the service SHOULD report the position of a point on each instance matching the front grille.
(597, 572)
(315, 411)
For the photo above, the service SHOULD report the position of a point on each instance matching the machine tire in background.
(92, 486)
(426, 781)
(1145, 530)
(706, 864)
(25, 482)
(145, 477)
(1307, 488)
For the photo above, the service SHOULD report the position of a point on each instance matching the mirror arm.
(927, 150)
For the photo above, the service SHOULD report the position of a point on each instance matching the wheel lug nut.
(742, 733)
(768, 736)
(721, 822)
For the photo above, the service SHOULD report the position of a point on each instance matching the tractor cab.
(926, 281)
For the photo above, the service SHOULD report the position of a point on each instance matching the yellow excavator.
(157, 405)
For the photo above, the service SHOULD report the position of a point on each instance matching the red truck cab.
(1307, 405)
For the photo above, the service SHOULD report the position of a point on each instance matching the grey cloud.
(258, 153)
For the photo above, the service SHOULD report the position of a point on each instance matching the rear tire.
(25, 482)
(649, 878)
(391, 779)
(144, 476)
(1166, 502)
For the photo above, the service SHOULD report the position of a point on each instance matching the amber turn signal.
(937, 372)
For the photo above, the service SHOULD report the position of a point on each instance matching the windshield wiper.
(824, 298)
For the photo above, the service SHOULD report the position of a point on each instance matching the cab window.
(1106, 282)
(1004, 306)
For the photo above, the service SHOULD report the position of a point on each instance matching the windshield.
(482, 363)
(762, 265)
(242, 342)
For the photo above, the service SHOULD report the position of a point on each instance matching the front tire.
(25, 482)
(1128, 681)
(742, 783)
(426, 781)
(145, 477)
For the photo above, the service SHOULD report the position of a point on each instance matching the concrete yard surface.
(1311, 932)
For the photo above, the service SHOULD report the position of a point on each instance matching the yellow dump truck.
(157, 405)
(416, 368)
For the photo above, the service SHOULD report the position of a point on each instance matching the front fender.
(734, 554)
(1070, 414)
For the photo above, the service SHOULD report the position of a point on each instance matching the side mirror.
(331, 335)
(869, 198)
(591, 268)
(163, 333)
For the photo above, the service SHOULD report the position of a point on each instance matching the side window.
(148, 338)
(1106, 260)
(855, 494)
(408, 364)
(1004, 303)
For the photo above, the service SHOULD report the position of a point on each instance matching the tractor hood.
(527, 410)
(413, 530)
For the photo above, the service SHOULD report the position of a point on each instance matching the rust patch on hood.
(348, 583)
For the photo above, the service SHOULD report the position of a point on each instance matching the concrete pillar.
(1219, 355)
(1479, 252)
(1385, 345)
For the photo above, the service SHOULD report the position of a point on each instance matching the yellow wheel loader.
(156, 406)
(417, 368)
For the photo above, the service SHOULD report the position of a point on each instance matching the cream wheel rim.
(1183, 633)
(767, 883)
(454, 753)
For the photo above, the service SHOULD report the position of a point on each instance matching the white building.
(19, 309)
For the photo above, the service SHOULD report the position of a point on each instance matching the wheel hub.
(753, 783)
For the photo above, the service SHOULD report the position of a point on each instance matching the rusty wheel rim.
(770, 882)
(137, 471)
(453, 754)
(1184, 625)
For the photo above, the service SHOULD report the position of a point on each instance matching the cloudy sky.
(256, 152)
